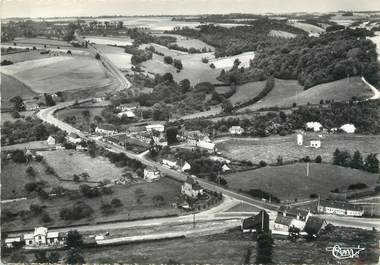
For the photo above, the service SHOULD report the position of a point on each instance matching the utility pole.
(193, 220)
(307, 169)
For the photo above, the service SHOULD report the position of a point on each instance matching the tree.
(53, 257)
(76, 178)
(262, 163)
(18, 156)
(171, 135)
(168, 59)
(46, 218)
(185, 85)
(74, 239)
(357, 160)
(73, 256)
(40, 257)
(18, 103)
(280, 160)
(97, 56)
(227, 106)
(318, 159)
(178, 64)
(49, 101)
(264, 248)
(15, 115)
(115, 202)
(371, 163)
(91, 148)
(168, 77)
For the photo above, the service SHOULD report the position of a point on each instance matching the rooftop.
(73, 135)
(107, 127)
(284, 220)
(293, 211)
(340, 205)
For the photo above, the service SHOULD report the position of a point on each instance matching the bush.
(116, 203)
(357, 186)
(88, 191)
(318, 159)
(262, 163)
(168, 60)
(204, 60)
(78, 211)
(46, 218)
(313, 196)
(18, 156)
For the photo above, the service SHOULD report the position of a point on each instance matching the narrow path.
(375, 91)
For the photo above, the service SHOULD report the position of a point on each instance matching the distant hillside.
(287, 92)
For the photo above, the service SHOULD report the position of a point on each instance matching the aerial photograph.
(175, 132)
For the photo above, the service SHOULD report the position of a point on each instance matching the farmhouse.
(315, 143)
(339, 208)
(348, 128)
(298, 214)
(237, 130)
(128, 106)
(191, 188)
(315, 126)
(151, 174)
(206, 145)
(155, 127)
(169, 163)
(186, 166)
(50, 140)
(127, 113)
(74, 138)
(105, 129)
(290, 217)
(299, 139)
(30, 106)
(42, 238)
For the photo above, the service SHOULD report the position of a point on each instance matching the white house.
(236, 130)
(151, 174)
(128, 106)
(348, 128)
(155, 127)
(191, 188)
(315, 143)
(287, 217)
(315, 126)
(299, 139)
(105, 129)
(50, 140)
(339, 208)
(127, 113)
(42, 238)
(169, 163)
(74, 138)
(12, 241)
(225, 168)
(186, 166)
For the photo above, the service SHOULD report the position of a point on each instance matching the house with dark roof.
(314, 225)
(191, 188)
(259, 223)
(290, 217)
(296, 213)
(128, 106)
(339, 208)
(74, 138)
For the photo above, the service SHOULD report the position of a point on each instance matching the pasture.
(290, 181)
(287, 92)
(246, 92)
(131, 207)
(61, 73)
(188, 42)
(66, 163)
(116, 55)
(11, 87)
(282, 34)
(309, 28)
(24, 56)
(228, 62)
(118, 41)
(269, 148)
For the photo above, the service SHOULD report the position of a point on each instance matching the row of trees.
(344, 158)
(176, 62)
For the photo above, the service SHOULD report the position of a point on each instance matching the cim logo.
(345, 252)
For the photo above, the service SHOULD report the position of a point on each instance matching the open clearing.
(117, 56)
(42, 41)
(247, 91)
(286, 92)
(68, 162)
(131, 209)
(269, 148)
(50, 75)
(282, 34)
(24, 56)
(309, 28)
(187, 42)
(228, 62)
(290, 181)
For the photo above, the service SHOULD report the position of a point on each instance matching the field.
(282, 34)
(193, 68)
(286, 92)
(60, 73)
(187, 42)
(118, 41)
(67, 162)
(309, 28)
(24, 56)
(131, 209)
(376, 40)
(290, 181)
(14, 178)
(247, 91)
(268, 148)
(228, 62)
(11, 87)
(42, 41)
(7, 116)
(116, 55)
(80, 121)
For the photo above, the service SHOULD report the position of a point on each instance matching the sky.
(62, 8)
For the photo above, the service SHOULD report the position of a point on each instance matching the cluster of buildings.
(41, 238)
(191, 188)
(339, 208)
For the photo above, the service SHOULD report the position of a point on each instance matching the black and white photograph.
(190, 132)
